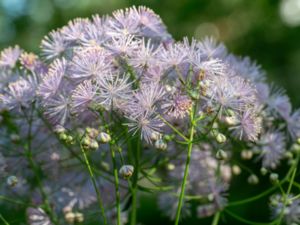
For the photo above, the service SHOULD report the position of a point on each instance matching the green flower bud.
(94, 145)
(70, 217)
(15, 138)
(221, 138)
(126, 171)
(274, 177)
(161, 145)
(12, 181)
(155, 136)
(170, 166)
(78, 217)
(263, 171)
(253, 179)
(246, 154)
(236, 170)
(63, 136)
(221, 155)
(92, 132)
(103, 137)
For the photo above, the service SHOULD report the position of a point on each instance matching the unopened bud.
(170, 166)
(70, 140)
(94, 145)
(195, 95)
(126, 171)
(221, 138)
(236, 170)
(63, 136)
(105, 165)
(263, 171)
(79, 218)
(221, 155)
(59, 129)
(231, 120)
(288, 155)
(15, 138)
(103, 137)
(246, 154)
(12, 181)
(70, 217)
(253, 179)
(161, 145)
(91, 132)
(155, 136)
(274, 177)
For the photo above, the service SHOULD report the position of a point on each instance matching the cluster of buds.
(63, 135)
(93, 137)
(72, 217)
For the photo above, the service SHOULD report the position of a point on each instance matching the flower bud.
(79, 218)
(126, 171)
(15, 138)
(194, 95)
(103, 137)
(221, 155)
(94, 145)
(58, 129)
(161, 145)
(155, 136)
(230, 120)
(246, 154)
(63, 136)
(288, 155)
(274, 178)
(91, 132)
(105, 165)
(263, 171)
(253, 179)
(170, 166)
(70, 140)
(70, 217)
(12, 181)
(236, 170)
(221, 138)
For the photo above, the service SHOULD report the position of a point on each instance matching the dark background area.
(266, 30)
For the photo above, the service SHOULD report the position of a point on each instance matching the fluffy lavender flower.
(124, 23)
(280, 103)
(10, 56)
(18, 93)
(145, 56)
(231, 92)
(51, 82)
(291, 211)
(293, 124)
(94, 35)
(89, 63)
(146, 122)
(178, 106)
(151, 23)
(209, 48)
(114, 89)
(84, 96)
(172, 56)
(57, 108)
(248, 125)
(245, 68)
(37, 216)
(123, 45)
(75, 30)
(272, 146)
(54, 45)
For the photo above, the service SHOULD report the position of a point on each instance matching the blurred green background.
(266, 30)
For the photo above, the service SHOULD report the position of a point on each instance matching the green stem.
(3, 220)
(186, 170)
(135, 182)
(117, 191)
(94, 184)
(216, 218)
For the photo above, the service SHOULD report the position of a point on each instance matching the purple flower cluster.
(101, 82)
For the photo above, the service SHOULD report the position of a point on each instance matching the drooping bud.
(78, 217)
(12, 181)
(246, 154)
(58, 129)
(253, 179)
(70, 217)
(236, 170)
(155, 136)
(103, 137)
(221, 155)
(221, 138)
(263, 171)
(126, 171)
(274, 178)
(161, 145)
